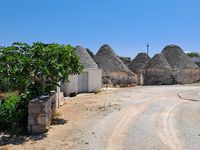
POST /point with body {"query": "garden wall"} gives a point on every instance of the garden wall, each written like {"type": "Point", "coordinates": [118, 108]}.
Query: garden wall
{"type": "Point", "coordinates": [40, 113]}
{"type": "Point", "coordinates": [121, 78]}
{"type": "Point", "coordinates": [186, 76]}
{"type": "Point", "coordinates": [158, 77]}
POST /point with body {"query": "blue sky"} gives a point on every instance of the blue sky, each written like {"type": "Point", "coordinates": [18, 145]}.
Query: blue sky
{"type": "Point", "coordinates": [126, 25]}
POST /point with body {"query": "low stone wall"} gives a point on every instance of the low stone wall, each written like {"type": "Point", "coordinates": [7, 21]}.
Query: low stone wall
{"type": "Point", "coordinates": [40, 114]}
{"type": "Point", "coordinates": [171, 76]}
{"type": "Point", "coordinates": [158, 77]}
{"type": "Point", "coordinates": [121, 78]}
{"type": "Point", "coordinates": [186, 76]}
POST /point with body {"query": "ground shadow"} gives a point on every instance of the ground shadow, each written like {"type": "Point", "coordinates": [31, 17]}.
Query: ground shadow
{"type": "Point", "coordinates": [6, 138]}
{"type": "Point", "coordinates": [59, 121]}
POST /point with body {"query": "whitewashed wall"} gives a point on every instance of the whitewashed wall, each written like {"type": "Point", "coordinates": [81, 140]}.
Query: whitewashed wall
{"type": "Point", "coordinates": [94, 82]}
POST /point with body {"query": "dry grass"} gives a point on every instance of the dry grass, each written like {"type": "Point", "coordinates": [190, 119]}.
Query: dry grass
{"type": "Point", "coordinates": [5, 95]}
{"type": "Point", "coordinates": [4, 148]}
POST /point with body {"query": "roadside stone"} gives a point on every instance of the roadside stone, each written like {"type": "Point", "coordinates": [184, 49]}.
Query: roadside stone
{"type": "Point", "coordinates": [41, 113]}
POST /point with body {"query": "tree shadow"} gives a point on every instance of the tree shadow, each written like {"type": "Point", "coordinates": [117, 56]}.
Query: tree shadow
{"type": "Point", "coordinates": [59, 121]}
{"type": "Point", "coordinates": [6, 138]}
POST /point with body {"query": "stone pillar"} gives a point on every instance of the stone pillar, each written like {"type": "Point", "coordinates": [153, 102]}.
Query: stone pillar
{"type": "Point", "coordinates": [40, 114]}
{"type": "Point", "coordinates": [60, 99]}
{"type": "Point", "coordinates": [140, 77]}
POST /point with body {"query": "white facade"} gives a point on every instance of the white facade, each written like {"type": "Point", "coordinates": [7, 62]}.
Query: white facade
{"type": "Point", "coordinates": [88, 81]}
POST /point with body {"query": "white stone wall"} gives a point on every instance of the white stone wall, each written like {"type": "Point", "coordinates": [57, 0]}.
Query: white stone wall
{"type": "Point", "coordinates": [94, 80]}
{"type": "Point", "coordinates": [71, 86]}
{"type": "Point", "coordinates": [59, 97]}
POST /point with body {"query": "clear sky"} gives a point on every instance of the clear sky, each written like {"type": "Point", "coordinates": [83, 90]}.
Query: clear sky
{"type": "Point", "coordinates": [126, 25]}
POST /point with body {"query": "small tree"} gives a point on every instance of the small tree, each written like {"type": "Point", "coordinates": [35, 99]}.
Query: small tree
{"type": "Point", "coordinates": [37, 68]}
{"type": "Point", "coordinates": [193, 54]}
{"type": "Point", "coordinates": [33, 71]}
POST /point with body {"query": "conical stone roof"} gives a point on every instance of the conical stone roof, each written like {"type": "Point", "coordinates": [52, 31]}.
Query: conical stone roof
{"type": "Point", "coordinates": [177, 58]}
{"type": "Point", "coordinates": [108, 60]}
{"type": "Point", "coordinates": [139, 62]}
{"type": "Point", "coordinates": [125, 60]}
{"type": "Point", "coordinates": [85, 58]}
{"type": "Point", "coordinates": [158, 62]}
{"type": "Point", "coordinates": [196, 60]}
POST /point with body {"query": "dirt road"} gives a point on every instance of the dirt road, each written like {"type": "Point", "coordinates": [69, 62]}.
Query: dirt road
{"type": "Point", "coordinates": [141, 118]}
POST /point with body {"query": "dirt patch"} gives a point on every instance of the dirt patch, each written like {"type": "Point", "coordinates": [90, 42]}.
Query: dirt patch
{"type": "Point", "coordinates": [109, 107]}
{"type": "Point", "coordinates": [73, 119]}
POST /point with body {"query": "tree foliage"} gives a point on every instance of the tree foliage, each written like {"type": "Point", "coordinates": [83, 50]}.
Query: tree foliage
{"type": "Point", "coordinates": [125, 58]}
{"type": "Point", "coordinates": [193, 54]}
{"type": "Point", "coordinates": [37, 68]}
{"type": "Point", "coordinates": [14, 114]}
{"type": "Point", "coordinates": [32, 70]}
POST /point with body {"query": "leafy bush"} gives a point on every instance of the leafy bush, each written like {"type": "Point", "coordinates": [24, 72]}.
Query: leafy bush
{"type": "Point", "coordinates": [33, 70]}
{"type": "Point", "coordinates": [8, 94]}
{"type": "Point", "coordinates": [97, 91]}
{"type": "Point", "coordinates": [193, 54]}
{"type": "Point", "coordinates": [13, 114]}
{"type": "Point", "coordinates": [5, 85]}
{"type": "Point", "coordinates": [37, 68]}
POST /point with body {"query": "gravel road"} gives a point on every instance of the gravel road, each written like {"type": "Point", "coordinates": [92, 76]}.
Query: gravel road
{"type": "Point", "coordinates": [140, 118]}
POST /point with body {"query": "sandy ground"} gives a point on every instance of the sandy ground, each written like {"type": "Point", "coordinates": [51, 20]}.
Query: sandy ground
{"type": "Point", "coordinates": [149, 117]}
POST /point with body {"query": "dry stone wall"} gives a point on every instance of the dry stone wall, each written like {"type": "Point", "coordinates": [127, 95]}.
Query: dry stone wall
{"type": "Point", "coordinates": [158, 77]}
{"type": "Point", "coordinates": [40, 114]}
{"type": "Point", "coordinates": [186, 76]}
{"type": "Point", "coordinates": [122, 78]}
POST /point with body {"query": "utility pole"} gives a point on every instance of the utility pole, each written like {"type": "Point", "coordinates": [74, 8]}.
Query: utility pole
{"type": "Point", "coordinates": [147, 48]}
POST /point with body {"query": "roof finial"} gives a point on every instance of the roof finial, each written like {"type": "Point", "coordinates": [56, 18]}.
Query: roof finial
{"type": "Point", "coordinates": [147, 48]}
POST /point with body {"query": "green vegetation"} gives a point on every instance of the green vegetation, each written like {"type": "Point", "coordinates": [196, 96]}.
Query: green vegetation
{"type": "Point", "coordinates": [8, 94]}
{"type": "Point", "coordinates": [32, 71]}
{"type": "Point", "coordinates": [37, 68]}
{"type": "Point", "coordinates": [97, 91]}
{"type": "Point", "coordinates": [13, 114]}
{"type": "Point", "coordinates": [125, 58]}
{"type": "Point", "coordinates": [193, 54]}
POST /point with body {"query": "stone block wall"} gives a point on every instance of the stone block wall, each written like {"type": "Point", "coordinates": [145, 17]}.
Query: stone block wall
{"type": "Point", "coordinates": [171, 76]}
{"type": "Point", "coordinates": [40, 114]}
{"type": "Point", "coordinates": [186, 76]}
{"type": "Point", "coordinates": [121, 78]}
{"type": "Point", "coordinates": [158, 77]}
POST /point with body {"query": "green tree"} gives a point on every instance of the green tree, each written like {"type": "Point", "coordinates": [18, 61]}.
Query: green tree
{"type": "Point", "coordinates": [193, 54]}
{"type": "Point", "coordinates": [32, 71]}
{"type": "Point", "coordinates": [37, 68]}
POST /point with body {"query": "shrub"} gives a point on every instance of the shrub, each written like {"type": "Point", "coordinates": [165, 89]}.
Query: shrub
{"type": "Point", "coordinates": [193, 54]}
{"type": "Point", "coordinates": [97, 91]}
{"type": "Point", "coordinates": [33, 70]}
{"type": "Point", "coordinates": [5, 85]}
{"type": "Point", "coordinates": [13, 114]}
{"type": "Point", "coordinates": [3, 96]}
{"type": "Point", "coordinates": [37, 68]}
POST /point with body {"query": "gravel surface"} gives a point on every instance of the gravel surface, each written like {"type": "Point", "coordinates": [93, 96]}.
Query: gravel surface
{"type": "Point", "coordinates": [149, 117]}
